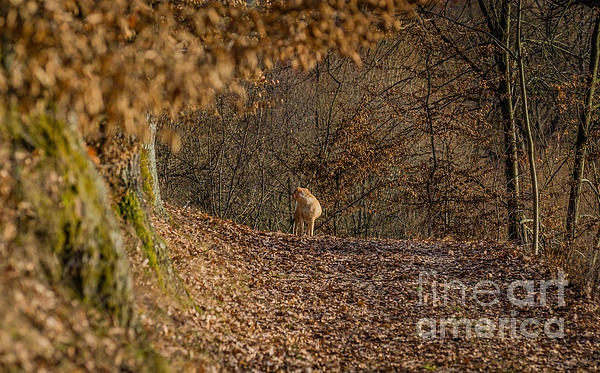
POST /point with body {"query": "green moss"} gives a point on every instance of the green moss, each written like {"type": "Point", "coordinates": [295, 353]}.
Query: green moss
{"type": "Point", "coordinates": [146, 176]}
{"type": "Point", "coordinates": [67, 226]}
{"type": "Point", "coordinates": [130, 209]}
{"type": "Point", "coordinates": [155, 249]}
{"type": "Point", "coordinates": [152, 359]}
{"type": "Point", "coordinates": [73, 219]}
{"type": "Point", "coordinates": [66, 229]}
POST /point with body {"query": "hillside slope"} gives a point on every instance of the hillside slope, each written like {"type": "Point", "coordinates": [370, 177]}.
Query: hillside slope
{"type": "Point", "coordinates": [270, 301]}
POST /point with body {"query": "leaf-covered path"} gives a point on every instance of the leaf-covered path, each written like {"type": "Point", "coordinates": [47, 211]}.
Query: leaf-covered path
{"type": "Point", "coordinates": [270, 301]}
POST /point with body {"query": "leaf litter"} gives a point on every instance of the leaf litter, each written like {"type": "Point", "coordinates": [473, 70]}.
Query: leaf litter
{"type": "Point", "coordinates": [270, 301]}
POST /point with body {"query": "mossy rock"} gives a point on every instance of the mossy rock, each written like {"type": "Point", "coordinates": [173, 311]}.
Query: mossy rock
{"type": "Point", "coordinates": [65, 225]}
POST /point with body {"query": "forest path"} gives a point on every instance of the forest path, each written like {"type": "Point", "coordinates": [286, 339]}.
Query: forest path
{"type": "Point", "coordinates": [271, 301]}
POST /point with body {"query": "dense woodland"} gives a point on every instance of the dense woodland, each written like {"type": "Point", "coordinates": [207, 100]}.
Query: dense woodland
{"type": "Point", "coordinates": [149, 150]}
{"type": "Point", "coordinates": [426, 137]}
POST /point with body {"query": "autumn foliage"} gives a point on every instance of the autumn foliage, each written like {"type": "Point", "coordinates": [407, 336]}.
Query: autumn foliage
{"type": "Point", "coordinates": [405, 120]}
{"type": "Point", "coordinates": [115, 60]}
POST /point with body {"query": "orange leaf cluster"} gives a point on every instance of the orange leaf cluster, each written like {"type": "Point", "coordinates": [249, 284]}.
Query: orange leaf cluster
{"type": "Point", "coordinates": [90, 60]}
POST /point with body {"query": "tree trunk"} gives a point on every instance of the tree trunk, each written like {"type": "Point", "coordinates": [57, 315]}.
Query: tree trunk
{"type": "Point", "coordinates": [582, 137]}
{"type": "Point", "coordinates": [70, 234]}
{"type": "Point", "coordinates": [530, 147]}
{"type": "Point", "coordinates": [148, 169]}
{"type": "Point", "coordinates": [499, 25]}
{"type": "Point", "coordinates": [138, 183]}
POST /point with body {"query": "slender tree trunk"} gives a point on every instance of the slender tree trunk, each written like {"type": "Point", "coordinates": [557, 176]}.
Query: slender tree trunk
{"type": "Point", "coordinates": [498, 21]}
{"type": "Point", "coordinates": [132, 207]}
{"type": "Point", "coordinates": [150, 163]}
{"type": "Point", "coordinates": [434, 165]}
{"type": "Point", "coordinates": [530, 147]}
{"type": "Point", "coordinates": [582, 136]}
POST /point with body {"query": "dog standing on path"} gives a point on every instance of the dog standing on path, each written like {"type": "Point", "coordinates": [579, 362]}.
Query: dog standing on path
{"type": "Point", "coordinates": [308, 209]}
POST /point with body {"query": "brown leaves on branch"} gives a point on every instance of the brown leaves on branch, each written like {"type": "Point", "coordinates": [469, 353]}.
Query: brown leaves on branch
{"type": "Point", "coordinates": [96, 59]}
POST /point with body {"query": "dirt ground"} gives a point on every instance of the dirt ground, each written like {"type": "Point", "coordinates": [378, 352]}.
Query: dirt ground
{"type": "Point", "coordinates": [269, 301]}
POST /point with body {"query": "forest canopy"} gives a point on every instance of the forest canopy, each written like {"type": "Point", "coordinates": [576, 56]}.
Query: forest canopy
{"type": "Point", "coordinates": [116, 60]}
